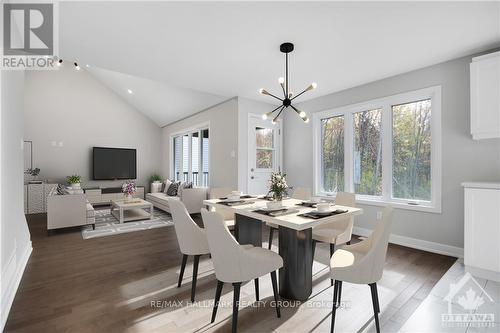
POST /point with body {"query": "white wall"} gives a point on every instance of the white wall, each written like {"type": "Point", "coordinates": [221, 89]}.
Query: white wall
{"type": "Point", "coordinates": [15, 237]}
{"type": "Point", "coordinates": [76, 109]}
{"type": "Point", "coordinates": [463, 158]}
{"type": "Point", "coordinates": [223, 136]}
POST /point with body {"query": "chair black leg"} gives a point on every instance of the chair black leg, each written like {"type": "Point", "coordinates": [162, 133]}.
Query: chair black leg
{"type": "Point", "coordinates": [183, 266]}
{"type": "Point", "coordinates": [373, 288]}
{"type": "Point", "coordinates": [376, 293]}
{"type": "Point", "coordinates": [313, 249]}
{"type": "Point", "coordinates": [236, 301]}
{"type": "Point", "coordinates": [218, 291]}
{"type": "Point", "coordinates": [339, 293]}
{"type": "Point", "coordinates": [256, 281]}
{"type": "Point", "coordinates": [334, 307]}
{"type": "Point", "coordinates": [276, 295]}
{"type": "Point", "coordinates": [332, 249]}
{"type": "Point", "coordinates": [195, 276]}
{"type": "Point", "coordinates": [93, 226]}
{"type": "Point", "coordinates": [271, 232]}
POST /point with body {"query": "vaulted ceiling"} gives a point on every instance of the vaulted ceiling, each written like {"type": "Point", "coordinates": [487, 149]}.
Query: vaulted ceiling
{"type": "Point", "coordinates": [181, 57]}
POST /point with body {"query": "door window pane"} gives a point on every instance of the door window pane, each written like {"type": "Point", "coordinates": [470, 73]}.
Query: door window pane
{"type": "Point", "coordinates": [367, 157]}
{"type": "Point", "coordinates": [185, 158]}
{"type": "Point", "coordinates": [264, 159]}
{"type": "Point", "coordinates": [195, 157]}
{"type": "Point", "coordinates": [264, 137]}
{"type": "Point", "coordinates": [411, 165]}
{"type": "Point", "coordinates": [332, 143]}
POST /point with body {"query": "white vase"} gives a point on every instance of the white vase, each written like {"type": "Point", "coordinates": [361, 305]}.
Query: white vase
{"type": "Point", "coordinates": [128, 197]}
{"type": "Point", "coordinates": [75, 186]}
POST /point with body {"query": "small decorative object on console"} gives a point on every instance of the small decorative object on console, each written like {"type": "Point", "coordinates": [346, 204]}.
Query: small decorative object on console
{"type": "Point", "coordinates": [278, 188]}
{"type": "Point", "coordinates": [74, 181]}
{"type": "Point", "coordinates": [34, 175]}
{"type": "Point", "coordinates": [128, 190]}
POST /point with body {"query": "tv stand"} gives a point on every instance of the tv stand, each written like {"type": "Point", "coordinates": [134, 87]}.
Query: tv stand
{"type": "Point", "coordinates": [103, 196]}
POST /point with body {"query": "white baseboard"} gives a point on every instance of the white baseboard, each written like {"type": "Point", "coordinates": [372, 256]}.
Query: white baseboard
{"type": "Point", "coordinates": [418, 244]}
{"type": "Point", "coordinates": [10, 279]}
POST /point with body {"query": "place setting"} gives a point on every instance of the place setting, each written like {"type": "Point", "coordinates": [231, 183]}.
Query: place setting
{"type": "Point", "coordinates": [276, 208]}
{"type": "Point", "coordinates": [323, 209]}
{"type": "Point", "coordinates": [236, 198]}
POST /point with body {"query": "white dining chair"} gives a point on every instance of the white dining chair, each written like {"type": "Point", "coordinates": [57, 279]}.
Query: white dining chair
{"type": "Point", "coordinates": [235, 263]}
{"type": "Point", "coordinates": [338, 232]}
{"type": "Point", "coordinates": [192, 240]}
{"type": "Point", "coordinates": [220, 192]}
{"type": "Point", "coordinates": [300, 193]}
{"type": "Point", "coordinates": [362, 263]}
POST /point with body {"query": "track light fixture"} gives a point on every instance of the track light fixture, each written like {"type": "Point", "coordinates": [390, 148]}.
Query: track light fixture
{"type": "Point", "coordinates": [288, 96]}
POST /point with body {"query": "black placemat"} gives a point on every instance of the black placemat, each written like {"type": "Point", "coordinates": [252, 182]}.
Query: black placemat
{"type": "Point", "coordinates": [316, 216]}
{"type": "Point", "coordinates": [275, 213]}
{"type": "Point", "coordinates": [235, 203]}
{"type": "Point", "coordinates": [307, 204]}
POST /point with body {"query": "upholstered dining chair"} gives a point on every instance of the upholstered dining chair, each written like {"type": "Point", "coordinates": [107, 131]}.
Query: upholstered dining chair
{"type": "Point", "coordinates": [362, 263]}
{"type": "Point", "coordinates": [338, 232]}
{"type": "Point", "coordinates": [235, 263]}
{"type": "Point", "coordinates": [228, 216]}
{"type": "Point", "coordinates": [192, 240]}
{"type": "Point", "coordinates": [300, 193]}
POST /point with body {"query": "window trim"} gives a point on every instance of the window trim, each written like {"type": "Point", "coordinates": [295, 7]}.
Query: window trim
{"type": "Point", "coordinates": [188, 131]}
{"type": "Point", "coordinates": [385, 103]}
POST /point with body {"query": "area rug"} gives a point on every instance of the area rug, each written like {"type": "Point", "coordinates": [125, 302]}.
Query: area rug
{"type": "Point", "coordinates": [107, 225]}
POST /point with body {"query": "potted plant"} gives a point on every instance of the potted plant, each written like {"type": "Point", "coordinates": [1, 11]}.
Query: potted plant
{"type": "Point", "coordinates": [74, 181]}
{"type": "Point", "coordinates": [128, 190]}
{"type": "Point", "coordinates": [156, 183]}
{"type": "Point", "coordinates": [278, 189]}
{"type": "Point", "coordinates": [34, 174]}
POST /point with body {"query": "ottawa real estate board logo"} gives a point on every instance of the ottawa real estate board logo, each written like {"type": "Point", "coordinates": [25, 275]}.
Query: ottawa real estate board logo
{"type": "Point", "coordinates": [29, 36]}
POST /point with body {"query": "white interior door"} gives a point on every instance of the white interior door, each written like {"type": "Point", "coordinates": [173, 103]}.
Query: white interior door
{"type": "Point", "coordinates": [264, 148]}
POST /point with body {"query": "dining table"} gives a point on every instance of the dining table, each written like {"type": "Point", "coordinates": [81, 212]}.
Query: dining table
{"type": "Point", "coordinates": [295, 235]}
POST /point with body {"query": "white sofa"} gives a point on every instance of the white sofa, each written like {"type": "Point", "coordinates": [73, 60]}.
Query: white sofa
{"type": "Point", "coordinates": [192, 198]}
{"type": "Point", "coordinates": [68, 210]}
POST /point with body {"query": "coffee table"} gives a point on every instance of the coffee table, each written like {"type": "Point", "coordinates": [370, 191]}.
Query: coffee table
{"type": "Point", "coordinates": [134, 210]}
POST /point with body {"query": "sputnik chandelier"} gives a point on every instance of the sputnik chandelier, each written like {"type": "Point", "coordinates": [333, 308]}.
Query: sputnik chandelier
{"type": "Point", "coordinates": [288, 96]}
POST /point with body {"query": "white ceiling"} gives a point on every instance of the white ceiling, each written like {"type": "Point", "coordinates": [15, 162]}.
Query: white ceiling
{"type": "Point", "coordinates": [227, 49]}
{"type": "Point", "coordinates": [163, 103]}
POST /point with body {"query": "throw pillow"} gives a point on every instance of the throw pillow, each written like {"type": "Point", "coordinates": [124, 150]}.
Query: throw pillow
{"type": "Point", "coordinates": [166, 185]}
{"type": "Point", "coordinates": [173, 188]}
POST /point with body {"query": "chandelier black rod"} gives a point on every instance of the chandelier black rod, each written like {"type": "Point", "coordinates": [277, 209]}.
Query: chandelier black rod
{"type": "Point", "coordinates": [279, 99]}
{"type": "Point", "coordinates": [294, 97]}
{"type": "Point", "coordinates": [279, 113]}
{"type": "Point", "coordinates": [286, 74]}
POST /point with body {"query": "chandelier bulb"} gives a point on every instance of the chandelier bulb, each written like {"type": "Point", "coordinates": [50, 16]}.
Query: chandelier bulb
{"type": "Point", "coordinates": [306, 120]}
{"type": "Point", "coordinates": [264, 116]}
{"type": "Point", "coordinates": [262, 91]}
{"type": "Point", "coordinates": [281, 80]}
{"type": "Point", "coordinates": [302, 114]}
{"type": "Point", "coordinates": [314, 85]}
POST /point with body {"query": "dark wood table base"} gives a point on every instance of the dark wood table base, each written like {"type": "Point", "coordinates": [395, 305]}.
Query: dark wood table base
{"type": "Point", "coordinates": [295, 247]}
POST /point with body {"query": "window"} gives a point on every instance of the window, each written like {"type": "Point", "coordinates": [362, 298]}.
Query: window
{"type": "Point", "coordinates": [332, 142]}
{"type": "Point", "coordinates": [264, 147]}
{"type": "Point", "coordinates": [411, 145]}
{"type": "Point", "coordinates": [190, 157]}
{"type": "Point", "coordinates": [367, 155]}
{"type": "Point", "coordinates": [385, 150]}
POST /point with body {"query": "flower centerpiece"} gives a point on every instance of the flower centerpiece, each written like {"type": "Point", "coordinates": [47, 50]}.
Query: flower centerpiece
{"type": "Point", "coordinates": [128, 190]}
{"type": "Point", "coordinates": [278, 188]}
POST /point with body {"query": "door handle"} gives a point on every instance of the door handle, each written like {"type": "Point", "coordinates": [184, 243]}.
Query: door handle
{"type": "Point", "coordinates": [251, 177]}
{"type": "Point", "coordinates": [251, 169]}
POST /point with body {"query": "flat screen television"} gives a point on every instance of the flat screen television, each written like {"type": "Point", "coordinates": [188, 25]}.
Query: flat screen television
{"type": "Point", "coordinates": [114, 163]}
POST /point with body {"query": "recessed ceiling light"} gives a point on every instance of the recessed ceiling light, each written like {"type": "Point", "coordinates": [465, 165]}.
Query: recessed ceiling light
{"type": "Point", "coordinates": [130, 91]}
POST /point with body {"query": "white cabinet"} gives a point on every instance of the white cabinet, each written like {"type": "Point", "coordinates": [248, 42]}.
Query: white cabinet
{"type": "Point", "coordinates": [485, 96]}
{"type": "Point", "coordinates": [482, 229]}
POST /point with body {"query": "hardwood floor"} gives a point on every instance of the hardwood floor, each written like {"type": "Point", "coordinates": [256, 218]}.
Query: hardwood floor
{"type": "Point", "coordinates": [128, 282]}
